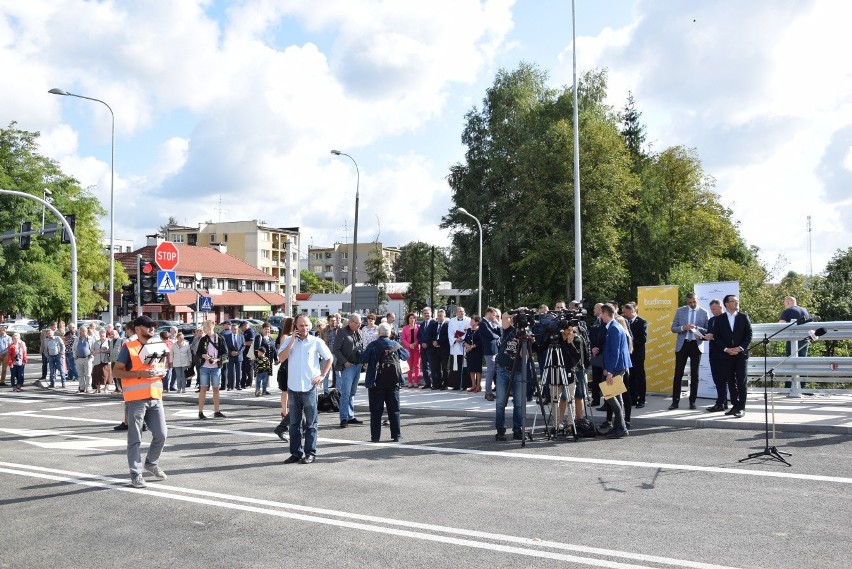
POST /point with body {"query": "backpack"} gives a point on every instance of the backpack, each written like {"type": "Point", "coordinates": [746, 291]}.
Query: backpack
{"type": "Point", "coordinates": [388, 373]}
{"type": "Point", "coordinates": [83, 349]}
{"type": "Point", "coordinates": [329, 402]}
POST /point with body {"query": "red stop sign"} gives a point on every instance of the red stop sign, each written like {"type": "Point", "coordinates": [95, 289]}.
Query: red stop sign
{"type": "Point", "coordinates": [166, 256]}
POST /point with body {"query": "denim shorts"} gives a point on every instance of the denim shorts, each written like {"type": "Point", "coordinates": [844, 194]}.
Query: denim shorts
{"type": "Point", "coordinates": [210, 377]}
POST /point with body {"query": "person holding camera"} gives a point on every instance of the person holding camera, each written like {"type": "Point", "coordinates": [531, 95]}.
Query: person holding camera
{"type": "Point", "coordinates": [348, 345]}
{"type": "Point", "coordinates": [141, 377]}
{"type": "Point", "coordinates": [211, 352]}
{"type": "Point", "coordinates": [508, 364]}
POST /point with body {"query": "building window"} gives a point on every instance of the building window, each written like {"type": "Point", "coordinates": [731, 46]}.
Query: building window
{"type": "Point", "coordinates": [177, 237]}
{"type": "Point", "coordinates": [264, 236]}
{"type": "Point", "coordinates": [192, 239]}
{"type": "Point", "coordinates": [232, 285]}
{"type": "Point", "coordinates": [344, 255]}
{"type": "Point", "coordinates": [212, 238]}
{"type": "Point", "coordinates": [224, 238]}
{"type": "Point", "coordinates": [344, 281]}
{"type": "Point", "coordinates": [264, 254]}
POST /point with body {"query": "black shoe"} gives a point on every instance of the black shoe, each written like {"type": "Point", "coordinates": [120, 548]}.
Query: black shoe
{"type": "Point", "coordinates": [500, 436]}
{"type": "Point", "coordinates": [354, 421]}
{"type": "Point", "coordinates": [425, 387]}
{"type": "Point", "coordinates": [739, 414]}
{"type": "Point", "coordinates": [639, 405]}
{"type": "Point", "coordinates": [219, 415]}
{"type": "Point", "coordinates": [121, 427]}
{"type": "Point", "coordinates": [201, 415]}
{"type": "Point", "coordinates": [715, 409]}
{"type": "Point", "coordinates": [292, 459]}
{"type": "Point", "coordinates": [606, 425]}
{"type": "Point", "coordinates": [144, 427]}
{"type": "Point", "coordinates": [344, 424]}
{"type": "Point", "coordinates": [517, 435]}
{"type": "Point", "coordinates": [239, 389]}
{"type": "Point", "coordinates": [395, 439]}
{"type": "Point", "coordinates": [385, 423]}
{"type": "Point", "coordinates": [595, 402]}
{"type": "Point", "coordinates": [601, 408]}
{"type": "Point", "coordinates": [673, 406]}
{"type": "Point", "coordinates": [692, 406]}
{"type": "Point", "coordinates": [617, 433]}
{"type": "Point", "coordinates": [731, 411]}
{"type": "Point", "coordinates": [307, 459]}
{"type": "Point", "coordinates": [627, 424]}
{"type": "Point", "coordinates": [280, 430]}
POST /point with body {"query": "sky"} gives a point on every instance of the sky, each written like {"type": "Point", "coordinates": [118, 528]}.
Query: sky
{"type": "Point", "coordinates": [229, 110]}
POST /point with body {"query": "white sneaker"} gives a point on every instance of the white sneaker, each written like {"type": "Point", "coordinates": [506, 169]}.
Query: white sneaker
{"type": "Point", "coordinates": [137, 481]}
{"type": "Point", "coordinates": [156, 471]}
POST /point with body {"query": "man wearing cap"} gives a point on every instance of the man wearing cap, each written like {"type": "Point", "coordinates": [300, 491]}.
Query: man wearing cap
{"type": "Point", "coordinates": [141, 366]}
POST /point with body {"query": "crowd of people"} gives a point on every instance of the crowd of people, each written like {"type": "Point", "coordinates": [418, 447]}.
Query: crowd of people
{"type": "Point", "coordinates": [600, 364]}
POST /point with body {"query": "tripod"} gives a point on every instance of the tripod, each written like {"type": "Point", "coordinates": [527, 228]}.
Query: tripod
{"type": "Point", "coordinates": [555, 376]}
{"type": "Point", "coordinates": [769, 451]}
{"type": "Point", "coordinates": [523, 359]}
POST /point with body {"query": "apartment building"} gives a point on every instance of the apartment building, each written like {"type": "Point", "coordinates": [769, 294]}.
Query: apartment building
{"type": "Point", "coordinates": [273, 250]}
{"type": "Point", "coordinates": [332, 263]}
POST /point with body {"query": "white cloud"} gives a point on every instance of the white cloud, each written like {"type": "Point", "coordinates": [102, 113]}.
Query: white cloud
{"type": "Point", "coordinates": [759, 89]}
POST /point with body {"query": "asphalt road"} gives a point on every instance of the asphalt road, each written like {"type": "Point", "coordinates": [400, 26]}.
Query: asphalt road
{"type": "Point", "coordinates": [448, 496]}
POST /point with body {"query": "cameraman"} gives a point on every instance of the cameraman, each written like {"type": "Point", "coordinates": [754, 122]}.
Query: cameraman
{"type": "Point", "coordinates": [571, 356]}
{"type": "Point", "coordinates": [508, 364]}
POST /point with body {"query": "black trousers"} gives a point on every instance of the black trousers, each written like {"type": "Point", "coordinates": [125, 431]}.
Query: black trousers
{"type": "Point", "coordinates": [379, 398]}
{"type": "Point", "coordinates": [638, 385]}
{"type": "Point", "coordinates": [440, 367]}
{"type": "Point", "coordinates": [733, 371]}
{"type": "Point", "coordinates": [597, 377]}
{"type": "Point", "coordinates": [426, 366]}
{"type": "Point", "coordinates": [719, 381]}
{"type": "Point", "coordinates": [689, 351]}
{"type": "Point", "coordinates": [625, 399]}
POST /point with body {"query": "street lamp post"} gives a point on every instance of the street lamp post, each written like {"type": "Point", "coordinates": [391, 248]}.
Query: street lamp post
{"type": "Point", "coordinates": [111, 200]}
{"type": "Point", "coordinates": [464, 211]}
{"type": "Point", "coordinates": [353, 268]}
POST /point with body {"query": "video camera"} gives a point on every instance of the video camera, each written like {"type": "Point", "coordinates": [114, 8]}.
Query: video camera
{"type": "Point", "coordinates": [555, 321]}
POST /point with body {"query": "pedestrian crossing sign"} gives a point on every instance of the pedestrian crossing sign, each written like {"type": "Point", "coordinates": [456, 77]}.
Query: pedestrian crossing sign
{"type": "Point", "coordinates": [166, 282]}
{"type": "Point", "coordinates": [206, 304]}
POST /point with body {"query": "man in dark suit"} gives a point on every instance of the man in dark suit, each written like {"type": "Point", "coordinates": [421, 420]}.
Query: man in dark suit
{"type": "Point", "coordinates": [639, 330]}
{"type": "Point", "coordinates": [441, 353]}
{"type": "Point", "coordinates": [719, 381]}
{"type": "Point", "coordinates": [690, 324]}
{"type": "Point", "coordinates": [597, 339]}
{"type": "Point", "coordinates": [426, 336]}
{"type": "Point", "coordinates": [732, 335]}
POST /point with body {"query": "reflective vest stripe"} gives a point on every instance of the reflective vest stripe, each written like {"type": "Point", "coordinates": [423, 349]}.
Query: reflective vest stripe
{"type": "Point", "coordinates": [136, 388]}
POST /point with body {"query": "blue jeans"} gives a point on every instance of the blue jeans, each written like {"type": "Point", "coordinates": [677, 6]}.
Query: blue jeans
{"type": "Point", "coordinates": [504, 376]}
{"type": "Point", "coordinates": [331, 373]}
{"type": "Point", "coordinates": [72, 366]}
{"type": "Point", "coordinates": [178, 379]}
{"type": "Point", "coordinates": [209, 377]}
{"type": "Point", "coordinates": [262, 380]}
{"type": "Point", "coordinates": [303, 402]}
{"type": "Point", "coordinates": [55, 364]}
{"type": "Point", "coordinates": [18, 375]}
{"type": "Point", "coordinates": [348, 385]}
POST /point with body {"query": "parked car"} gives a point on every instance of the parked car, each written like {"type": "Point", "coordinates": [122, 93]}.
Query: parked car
{"type": "Point", "coordinates": [20, 328]}
{"type": "Point", "coordinates": [99, 324]}
{"type": "Point", "coordinates": [166, 323]}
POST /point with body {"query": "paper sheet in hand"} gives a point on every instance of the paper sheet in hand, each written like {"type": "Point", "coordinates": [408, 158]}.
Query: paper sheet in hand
{"type": "Point", "coordinates": [617, 387]}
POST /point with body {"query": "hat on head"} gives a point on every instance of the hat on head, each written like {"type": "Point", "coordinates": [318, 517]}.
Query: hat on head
{"type": "Point", "coordinates": [143, 321]}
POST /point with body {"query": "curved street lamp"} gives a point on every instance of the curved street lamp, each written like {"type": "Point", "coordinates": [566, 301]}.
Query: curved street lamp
{"type": "Point", "coordinates": [111, 201]}
{"type": "Point", "coordinates": [353, 267]}
{"type": "Point", "coordinates": [464, 211]}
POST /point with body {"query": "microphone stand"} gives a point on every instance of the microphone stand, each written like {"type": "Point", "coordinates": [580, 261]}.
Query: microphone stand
{"type": "Point", "coordinates": [769, 451]}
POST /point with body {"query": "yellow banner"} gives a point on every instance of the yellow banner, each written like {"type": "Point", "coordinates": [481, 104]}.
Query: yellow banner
{"type": "Point", "coordinates": [657, 305]}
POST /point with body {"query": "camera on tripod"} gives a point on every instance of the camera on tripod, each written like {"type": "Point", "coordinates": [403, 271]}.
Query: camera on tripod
{"type": "Point", "coordinates": [522, 320]}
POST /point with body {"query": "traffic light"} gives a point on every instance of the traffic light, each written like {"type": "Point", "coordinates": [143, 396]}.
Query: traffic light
{"type": "Point", "coordinates": [24, 242]}
{"type": "Point", "coordinates": [147, 281]}
{"type": "Point", "coordinates": [65, 239]}
{"type": "Point", "coordinates": [128, 292]}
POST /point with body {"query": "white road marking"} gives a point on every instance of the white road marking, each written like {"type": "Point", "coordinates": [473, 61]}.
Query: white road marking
{"type": "Point", "coordinates": [475, 452]}
{"type": "Point", "coordinates": [81, 442]}
{"type": "Point", "coordinates": [62, 408]}
{"type": "Point", "coordinates": [520, 545]}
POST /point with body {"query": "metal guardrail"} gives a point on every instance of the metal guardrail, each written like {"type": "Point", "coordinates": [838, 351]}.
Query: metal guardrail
{"type": "Point", "coordinates": [796, 369]}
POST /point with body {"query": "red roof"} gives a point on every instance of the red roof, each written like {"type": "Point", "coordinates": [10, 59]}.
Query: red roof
{"type": "Point", "coordinates": [205, 260]}
{"type": "Point", "coordinates": [228, 298]}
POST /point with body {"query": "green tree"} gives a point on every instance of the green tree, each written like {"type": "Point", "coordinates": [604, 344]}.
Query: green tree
{"type": "Point", "coordinates": [833, 292]}
{"type": "Point", "coordinates": [312, 284]}
{"type": "Point", "coordinates": [414, 266]}
{"type": "Point", "coordinates": [164, 229]}
{"type": "Point", "coordinates": [36, 282]}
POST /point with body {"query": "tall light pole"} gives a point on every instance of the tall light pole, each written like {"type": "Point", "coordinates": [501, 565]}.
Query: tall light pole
{"type": "Point", "coordinates": [578, 239]}
{"type": "Point", "coordinates": [111, 200]}
{"type": "Point", "coordinates": [353, 268]}
{"type": "Point", "coordinates": [464, 211]}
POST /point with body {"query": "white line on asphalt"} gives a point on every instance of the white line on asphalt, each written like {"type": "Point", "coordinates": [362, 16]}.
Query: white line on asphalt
{"type": "Point", "coordinates": [502, 454]}
{"type": "Point", "coordinates": [62, 408]}
{"type": "Point", "coordinates": [252, 505]}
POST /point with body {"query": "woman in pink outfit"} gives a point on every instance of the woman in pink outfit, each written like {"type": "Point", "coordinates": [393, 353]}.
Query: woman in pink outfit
{"type": "Point", "coordinates": [409, 342]}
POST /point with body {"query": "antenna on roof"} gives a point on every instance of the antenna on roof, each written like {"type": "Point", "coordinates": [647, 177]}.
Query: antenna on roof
{"type": "Point", "coordinates": [220, 210]}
